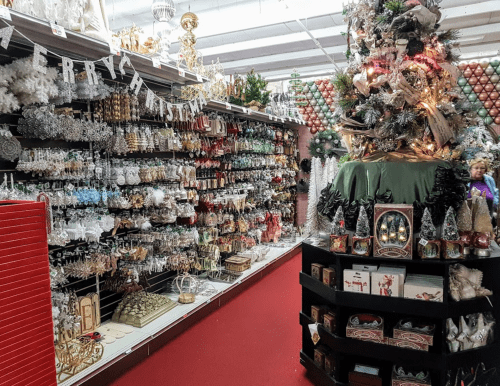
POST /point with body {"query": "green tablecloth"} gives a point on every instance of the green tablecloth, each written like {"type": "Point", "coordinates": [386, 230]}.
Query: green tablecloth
{"type": "Point", "coordinates": [408, 181]}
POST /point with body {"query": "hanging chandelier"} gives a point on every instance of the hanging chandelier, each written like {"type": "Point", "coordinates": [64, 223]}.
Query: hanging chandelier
{"type": "Point", "coordinates": [163, 10]}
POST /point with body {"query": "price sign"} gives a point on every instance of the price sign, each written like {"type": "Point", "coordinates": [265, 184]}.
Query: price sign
{"type": "Point", "coordinates": [181, 72]}
{"type": "Point", "coordinates": [282, 120]}
{"type": "Point", "coordinates": [5, 13]}
{"type": "Point", "coordinates": [244, 110]}
{"type": "Point", "coordinates": [199, 78]}
{"type": "Point", "coordinates": [58, 30]}
{"type": "Point", "coordinates": [114, 49]}
{"type": "Point", "coordinates": [270, 117]}
{"type": "Point", "coordinates": [249, 111]}
{"type": "Point", "coordinates": [228, 106]}
{"type": "Point", "coordinates": [156, 62]}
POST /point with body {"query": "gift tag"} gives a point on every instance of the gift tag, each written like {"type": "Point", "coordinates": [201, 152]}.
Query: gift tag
{"type": "Point", "coordinates": [423, 242]}
{"type": "Point", "coordinates": [228, 106]}
{"type": "Point", "coordinates": [282, 120]}
{"type": "Point", "coordinates": [58, 30]}
{"type": "Point", "coordinates": [249, 111]}
{"type": "Point", "coordinates": [5, 13]}
{"type": "Point", "coordinates": [181, 72]}
{"type": "Point", "coordinates": [156, 62]}
{"type": "Point", "coordinates": [270, 117]}
{"type": "Point", "coordinates": [313, 328]}
{"type": "Point", "coordinates": [244, 110]}
{"type": "Point", "coordinates": [199, 78]}
{"type": "Point", "coordinates": [114, 49]}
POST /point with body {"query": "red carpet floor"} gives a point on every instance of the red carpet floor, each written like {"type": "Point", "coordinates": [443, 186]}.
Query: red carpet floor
{"type": "Point", "coordinates": [255, 340]}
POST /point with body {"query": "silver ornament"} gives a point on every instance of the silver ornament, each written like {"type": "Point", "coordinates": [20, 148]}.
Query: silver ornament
{"type": "Point", "coordinates": [313, 102]}
{"type": "Point", "coordinates": [305, 89]}
{"type": "Point", "coordinates": [324, 122]}
{"type": "Point", "coordinates": [317, 109]}
{"type": "Point", "coordinates": [309, 96]}
{"type": "Point", "coordinates": [330, 137]}
{"type": "Point", "coordinates": [321, 115]}
{"type": "Point", "coordinates": [317, 140]}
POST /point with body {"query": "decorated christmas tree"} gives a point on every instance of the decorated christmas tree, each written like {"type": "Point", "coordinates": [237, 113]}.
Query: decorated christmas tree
{"type": "Point", "coordinates": [255, 92]}
{"type": "Point", "coordinates": [338, 224]}
{"type": "Point", "coordinates": [362, 225]}
{"type": "Point", "coordinates": [450, 229]}
{"type": "Point", "coordinates": [428, 230]}
{"type": "Point", "coordinates": [464, 221]}
{"type": "Point", "coordinates": [398, 91]}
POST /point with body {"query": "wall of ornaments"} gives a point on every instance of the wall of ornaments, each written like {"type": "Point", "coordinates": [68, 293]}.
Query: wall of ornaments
{"type": "Point", "coordinates": [480, 81]}
{"type": "Point", "coordinates": [316, 105]}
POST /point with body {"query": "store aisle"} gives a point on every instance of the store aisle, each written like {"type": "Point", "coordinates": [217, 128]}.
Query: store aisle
{"type": "Point", "coordinates": [255, 340]}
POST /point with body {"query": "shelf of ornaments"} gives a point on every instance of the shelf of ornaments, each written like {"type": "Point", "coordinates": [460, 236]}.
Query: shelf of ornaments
{"type": "Point", "coordinates": [246, 113]}
{"type": "Point", "coordinates": [78, 46]}
{"type": "Point", "coordinates": [140, 336]}
{"type": "Point", "coordinates": [433, 359]}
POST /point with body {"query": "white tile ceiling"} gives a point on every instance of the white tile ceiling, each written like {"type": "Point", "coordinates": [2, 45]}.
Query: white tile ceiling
{"type": "Point", "coordinates": [262, 34]}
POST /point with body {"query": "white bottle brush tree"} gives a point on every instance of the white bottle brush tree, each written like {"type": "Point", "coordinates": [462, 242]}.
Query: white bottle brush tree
{"type": "Point", "coordinates": [428, 230]}
{"type": "Point", "coordinates": [338, 224]}
{"type": "Point", "coordinates": [450, 229]}
{"type": "Point", "coordinates": [362, 224]}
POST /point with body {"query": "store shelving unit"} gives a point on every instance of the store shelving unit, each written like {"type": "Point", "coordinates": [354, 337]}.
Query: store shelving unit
{"type": "Point", "coordinates": [438, 360]}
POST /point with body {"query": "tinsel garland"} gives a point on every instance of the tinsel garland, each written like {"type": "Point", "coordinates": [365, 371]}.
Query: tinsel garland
{"type": "Point", "coordinates": [325, 144]}
{"type": "Point", "coordinates": [450, 189]}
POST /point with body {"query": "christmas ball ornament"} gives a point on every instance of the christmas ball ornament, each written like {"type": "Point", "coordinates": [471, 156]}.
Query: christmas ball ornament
{"type": "Point", "coordinates": [497, 70]}
{"type": "Point", "coordinates": [484, 79]}
{"type": "Point", "coordinates": [301, 110]}
{"type": "Point", "coordinates": [313, 88]}
{"type": "Point", "coordinates": [489, 87]}
{"type": "Point", "coordinates": [324, 122]}
{"type": "Point", "coordinates": [462, 81]}
{"type": "Point", "coordinates": [317, 95]}
{"type": "Point", "coordinates": [462, 66]}
{"type": "Point", "coordinates": [313, 116]}
{"type": "Point", "coordinates": [321, 129]}
{"type": "Point", "coordinates": [482, 113]}
{"type": "Point", "coordinates": [328, 114]}
{"type": "Point", "coordinates": [325, 108]}
{"type": "Point", "coordinates": [495, 62]}
{"type": "Point", "coordinates": [478, 88]}
{"type": "Point", "coordinates": [332, 121]}
{"type": "Point", "coordinates": [332, 109]}
{"type": "Point", "coordinates": [497, 121]}
{"type": "Point", "coordinates": [484, 63]}
{"type": "Point", "coordinates": [310, 124]}
{"type": "Point", "coordinates": [309, 109]}
{"type": "Point", "coordinates": [305, 89]}
{"type": "Point", "coordinates": [467, 90]}
{"type": "Point", "coordinates": [325, 94]}
{"type": "Point", "coordinates": [313, 130]}
{"type": "Point", "coordinates": [494, 78]}
{"type": "Point", "coordinates": [321, 102]}
{"type": "Point", "coordinates": [321, 87]}
{"type": "Point", "coordinates": [473, 80]}
{"type": "Point", "coordinates": [321, 116]}
{"type": "Point", "coordinates": [497, 86]}
{"type": "Point", "coordinates": [313, 102]}
{"type": "Point", "coordinates": [163, 10]}
{"type": "Point", "coordinates": [305, 117]}
{"type": "Point", "coordinates": [494, 95]}
{"type": "Point", "coordinates": [494, 112]}
{"type": "Point", "coordinates": [488, 120]}
{"type": "Point", "coordinates": [489, 71]}
{"type": "Point", "coordinates": [317, 109]}
{"type": "Point", "coordinates": [317, 82]}
{"type": "Point", "coordinates": [478, 71]}
{"type": "Point", "coordinates": [468, 73]}
{"type": "Point", "coordinates": [488, 104]}
{"type": "Point", "coordinates": [483, 96]}
{"type": "Point", "coordinates": [310, 83]}
{"type": "Point", "coordinates": [329, 101]}
{"type": "Point", "coordinates": [497, 103]}
{"type": "Point", "coordinates": [472, 97]}
{"type": "Point", "coordinates": [473, 65]}
{"type": "Point", "coordinates": [309, 96]}
{"type": "Point", "coordinates": [329, 137]}
{"type": "Point", "coordinates": [317, 140]}
{"type": "Point", "coordinates": [317, 122]}
{"type": "Point", "coordinates": [329, 86]}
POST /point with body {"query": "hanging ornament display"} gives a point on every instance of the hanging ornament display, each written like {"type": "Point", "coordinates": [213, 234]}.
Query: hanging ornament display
{"type": "Point", "coordinates": [317, 96]}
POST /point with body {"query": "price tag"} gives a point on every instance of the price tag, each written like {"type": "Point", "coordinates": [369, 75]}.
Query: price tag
{"type": "Point", "coordinates": [270, 117]}
{"type": "Point", "coordinates": [58, 30]}
{"type": "Point", "coordinates": [289, 119]}
{"type": "Point", "coordinates": [239, 281]}
{"type": "Point", "coordinates": [114, 49]}
{"type": "Point", "coordinates": [5, 13]}
{"type": "Point", "coordinates": [282, 120]}
{"type": "Point", "coordinates": [181, 72]}
{"type": "Point", "coordinates": [199, 78]}
{"type": "Point", "coordinates": [228, 106]}
{"type": "Point", "coordinates": [70, 187]}
{"type": "Point", "coordinates": [156, 62]}
{"type": "Point", "coordinates": [423, 242]}
{"type": "Point", "coordinates": [244, 110]}
{"type": "Point", "coordinates": [249, 111]}
{"type": "Point", "coordinates": [296, 120]}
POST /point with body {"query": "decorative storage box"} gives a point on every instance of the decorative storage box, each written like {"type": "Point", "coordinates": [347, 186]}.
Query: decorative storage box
{"type": "Point", "coordinates": [329, 277]}
{"type": "Point", "coordinates": [339, 243]}
{"type": "Point", "coordinates": [331, 365]}
{"type": "Point", "coordinates": [453, 249]}
{"type": "Point", "coordinates": [361, 246]}
{"type": "Point", "coordinates": [317, 271]}
{"type": "Point", "coordinates": [365, 327]}
{"type": "Point", "coordinates": [402, 378]}
{"type": "Point", "coordinates": [431, 249]}
{"type": "Point", "coordinates": [414, 331]}
{"type": "Point", "coordinates": [385, 284]}
{"type": "Point", "coordinates": [330, 322]}
{"type": "Point", "coordinates": [393, 230]}
{"type": "Point", "coordinates": [317, 313]}
{"type": "Point", "coordinates": [319, 356]}
{"type": "Point", "coordinates": [424, 287]}
{"type": "Point", "coordinates": [237, 263]}
{"type": "Point", "coordinates": [365, 376]}
{"type": "Point", "coordinates": [356, 281]}
{"type": "Point", "coordinates": [407, 344]}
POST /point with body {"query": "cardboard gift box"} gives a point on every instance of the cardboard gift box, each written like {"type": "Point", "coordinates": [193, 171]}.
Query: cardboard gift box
{"type": "Point", "coordinates": [329, 277]}
{"type": "Point", "coordinates": [366, 327]}
{"type": "Point", "coordinates": [317, 313]}
{"type": "Point", "coordinates": [331, 365]}
{"type": "Point", "coordinates": [361, 246]}
{"type": "Point", "coordinates": [452, 249]}
{"type": "Point", "coordinates": [356, 281]}
{"type": "Point", "coordinates": [393, 231]}
{"type": "Point", "coordinates": [408, 344]}
{"type": "Point", "coordinates": [422, 333]}
{"type": "Point", "coordinates": [402, 378]}
{"type": "Point", "coordinates": [317, 271]}
{"type": "Point", "coordinates": [424, 287]}
{"type": "Point", "coordinates": [365, 376]}
{"type": "Point", "coordinates": [330, 322]}
{"type": "Point", "coordinates": [429, 249]}
{"type": "Point", "coordinates": [385, 284]}
{"type": "Point", "coordinates": [319, 356]}
{"type": "Point", "coordinates": [237, 263]}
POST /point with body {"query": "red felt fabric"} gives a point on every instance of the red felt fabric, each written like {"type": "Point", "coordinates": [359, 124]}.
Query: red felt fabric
{"type": "Point", "coordinates": [254, 340]}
